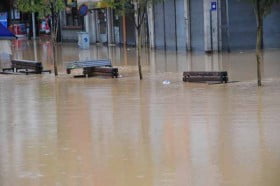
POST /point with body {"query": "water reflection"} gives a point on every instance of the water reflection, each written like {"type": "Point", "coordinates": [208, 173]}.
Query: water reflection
{"type": "Point", "coordinates": [122, 132]}
{"type": "Point", "coordinates": [240, 65]}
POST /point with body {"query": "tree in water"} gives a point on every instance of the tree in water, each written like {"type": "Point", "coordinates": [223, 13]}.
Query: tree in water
{"type": "Point", "coordinates": [262, 8]}
{"type": "Point", "coordinates": [45, 8]}
{"type": "Point", "coordinates": [139, 8]}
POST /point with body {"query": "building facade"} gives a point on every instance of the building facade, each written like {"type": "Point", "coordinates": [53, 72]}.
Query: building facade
{"type": "Point", "coordinates": [198, 25]}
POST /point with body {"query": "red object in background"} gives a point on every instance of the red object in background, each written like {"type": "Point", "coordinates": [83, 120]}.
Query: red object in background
{"type": "Point", "coordinates": [18, 29]}
{"type": "Point", "coordinates": [44, 26]}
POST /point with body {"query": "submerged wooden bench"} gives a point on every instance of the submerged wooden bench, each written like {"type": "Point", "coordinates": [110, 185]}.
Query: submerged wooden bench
{"type": "Point", "coordinates": [94, 71]}
{"type": "Point", "coordinates": [28, 67]}
{"type": "Point", "coordinates": [200, 76]}
{"type": "Point", "coordinates": [93, 68]}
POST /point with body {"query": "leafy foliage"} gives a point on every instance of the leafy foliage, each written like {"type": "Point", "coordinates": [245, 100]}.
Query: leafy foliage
{"type": "Point", "coordinates": [43, 7]}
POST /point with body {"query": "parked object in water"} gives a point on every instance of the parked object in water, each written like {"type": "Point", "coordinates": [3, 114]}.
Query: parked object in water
{"type": "Point", "coordinates": [107, 71]}
{"type": "Point", "coordinates": [26, 66]}
{"type": "Point", "coordinates": [83, 40]}
{"type": "Point", "coordinates": [94, 67]}
{"type": "Point", "coordinates": [221, 77]}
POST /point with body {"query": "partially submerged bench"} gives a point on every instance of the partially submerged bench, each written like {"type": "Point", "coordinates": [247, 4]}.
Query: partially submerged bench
{"type": "Point", "coordinates": [94, 67]}
{"type": "Point", "coordinates": [26, 66]}
{"type": "Point", "coordinates": [221, 77]}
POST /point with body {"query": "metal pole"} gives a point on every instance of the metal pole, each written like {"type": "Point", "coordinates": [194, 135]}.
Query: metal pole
{"type": "Point", "coordinates": [211, 31]}
{"type": "Point", "coordinates": [188, 24]}
{"type": "Point", "coordinates": [35, 50]}
{"type": "Point", "coordinates": [228, 33]}
{"type": "Point", "coordinates": [175, 20]}
{"type": "Point", "coordinates": [33, 25]}
{"type": "Point", "coordinates": [164, 32]}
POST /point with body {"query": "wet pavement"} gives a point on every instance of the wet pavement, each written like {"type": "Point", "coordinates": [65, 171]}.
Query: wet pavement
{"type": "Point", "coordinates": [123, 132]}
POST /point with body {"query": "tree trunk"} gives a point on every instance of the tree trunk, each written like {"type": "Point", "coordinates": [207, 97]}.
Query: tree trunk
{"type": "Point", "coordinates": [124, 29]}
{"type": "Point", "coordinates": [54, 55]}
{"type": "Point", "coordinates": [259, 46]}
{"type": "Point", "coordinates": [139, 46]}
{"type": "Point", "coordinates": [54, 27]}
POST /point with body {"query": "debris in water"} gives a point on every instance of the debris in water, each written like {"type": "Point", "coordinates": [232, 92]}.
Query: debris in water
{"type": "Point", "coordinates": [166, 82]}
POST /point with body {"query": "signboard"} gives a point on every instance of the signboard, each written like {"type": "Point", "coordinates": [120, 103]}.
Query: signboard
{"type": "Point", "coordinates": [93, 4]}
{"type": "Point", "coordinates": [83, 10]}
{"type": "Point", "coordinates": [213, 6]}
{"type": "Point", "coordinates": [87, 1]}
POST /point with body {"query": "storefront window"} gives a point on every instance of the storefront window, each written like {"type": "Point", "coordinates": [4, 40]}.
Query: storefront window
{"type": "Point", "coordinates": [72, 19]}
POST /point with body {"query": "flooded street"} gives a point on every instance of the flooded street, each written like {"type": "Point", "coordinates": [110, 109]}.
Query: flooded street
{"type": "Point", "coordinates": [100, 131]}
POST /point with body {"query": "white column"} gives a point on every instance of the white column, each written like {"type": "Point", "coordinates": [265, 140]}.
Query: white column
{"type": "Point", "coordinates": [86, 21]}
{"type": "Point", "coordinates": [110, 32]}
{"type": "Point", "coordinates": [97, 25]}
{"type": "Point", "coordinates": [219, 25]}
{"type": "Point", "coordinates": [188, 23]}
{"type": "Point", "coordinates": [92, 27]}
{"type": "Point", "coordinates": [151, 23]}
{"type": "Point", "coordinates": [211, 26]}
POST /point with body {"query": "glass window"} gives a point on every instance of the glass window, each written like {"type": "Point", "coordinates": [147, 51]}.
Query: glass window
{"type": "Point", "coordinates": [72, 15]}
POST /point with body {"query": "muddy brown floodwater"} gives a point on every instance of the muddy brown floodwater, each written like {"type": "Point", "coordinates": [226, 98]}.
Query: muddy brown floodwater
{"type": "Point", "coordinates": [125, 132]}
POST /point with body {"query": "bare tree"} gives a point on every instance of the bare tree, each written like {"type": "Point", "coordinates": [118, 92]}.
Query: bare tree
{"type": "Point", "coordinates": [139, 8]}
{"type": "Point", "coordinates": [262, 8]}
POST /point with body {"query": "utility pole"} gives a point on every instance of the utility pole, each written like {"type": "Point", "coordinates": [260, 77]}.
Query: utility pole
{"type": "Point", "coordinates": [33, 24]}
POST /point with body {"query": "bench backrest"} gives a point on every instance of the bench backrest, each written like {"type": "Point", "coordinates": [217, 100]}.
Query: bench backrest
{"type": "Point", "coordinates": [201, 73]}
{"type": "Point", "coordinates": [28, 64]}
{"type": "Point", "coordinates": [91, 63]}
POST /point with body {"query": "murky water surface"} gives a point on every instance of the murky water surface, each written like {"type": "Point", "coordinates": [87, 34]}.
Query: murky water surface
{"type": "Point", "coordinates": [124, 132]}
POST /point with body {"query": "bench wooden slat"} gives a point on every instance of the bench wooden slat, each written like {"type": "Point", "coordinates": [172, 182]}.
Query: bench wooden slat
{"type": "Point", "coordinates": [19, 64]}
{"type": "Point", "coordinates": [25, 61]}
{"type": "Point", "coordinates": [91, 63]}
{"type": "Point", "coordinates": [94, 67]}
{"type": "Point", "coordinates": [200, 76]}
{"type": "Point", "coordinates": [201, 73]}
{"type": "Point", "coordinates": [92, 71]}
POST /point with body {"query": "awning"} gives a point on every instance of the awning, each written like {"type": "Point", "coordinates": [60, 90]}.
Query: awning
{"type": "Point", "coordinates": [93, 4]}
{"type": "Point", "coordinates": [5, 33]}
{"type": "Point", "coordinates": [87, 1]}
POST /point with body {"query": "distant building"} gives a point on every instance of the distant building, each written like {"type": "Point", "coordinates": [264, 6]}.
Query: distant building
{"type": "Point", "coordinates": [101, 23]}
{"type": "Point", "coordinates": [198, 25]}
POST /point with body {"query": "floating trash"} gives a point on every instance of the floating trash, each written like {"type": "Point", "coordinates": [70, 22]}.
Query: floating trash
{"type": "Point", "coordinates": [166, 82]}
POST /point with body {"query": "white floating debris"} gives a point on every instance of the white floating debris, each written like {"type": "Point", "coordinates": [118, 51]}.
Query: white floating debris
{"type": "Point", "coordinates": [166, 82]}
